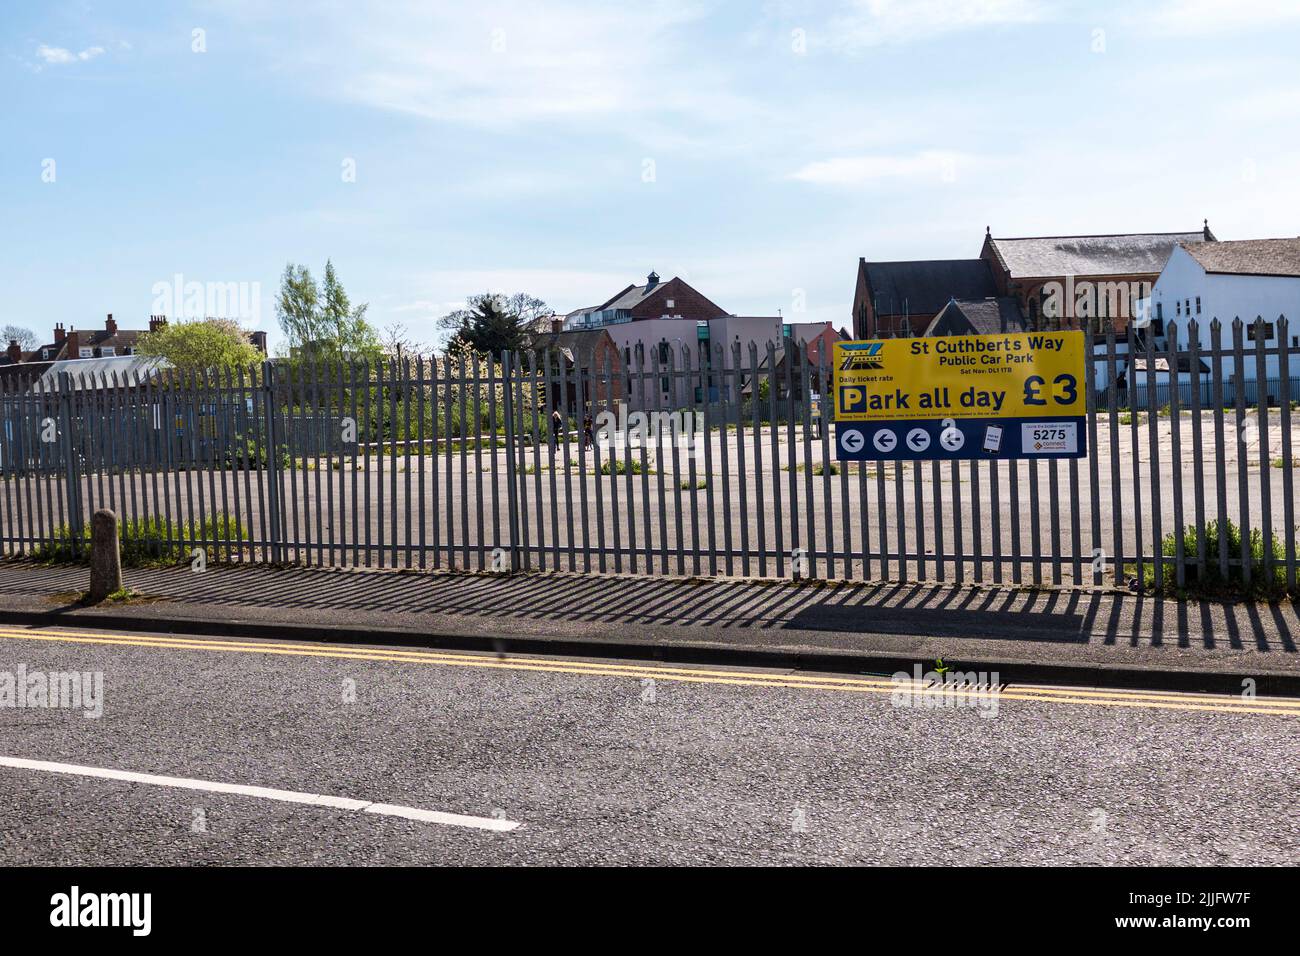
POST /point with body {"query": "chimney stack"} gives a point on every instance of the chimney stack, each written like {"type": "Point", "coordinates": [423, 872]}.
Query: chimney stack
{"type": "Point", "coordinates": [156, 322]}
{"type": "Point", "coordinates": [15, 351]}
{"type": "Point", "coordinates": [74, 347]}
{"type": "Point", "coordinates": [109, 325]}
{"type": "Point", "coordinates": [557, 325]}
{"type": "Point", "coordinates": [59, 334]}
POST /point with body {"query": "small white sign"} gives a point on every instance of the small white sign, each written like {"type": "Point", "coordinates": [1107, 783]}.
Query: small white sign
{"type": "Point", "coordinates": [993, 438]}
{"type": "Point", "coordinates": [1049, 438]}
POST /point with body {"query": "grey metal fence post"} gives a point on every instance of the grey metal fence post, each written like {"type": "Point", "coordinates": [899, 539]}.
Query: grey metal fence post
{"type": "Point", "coordinates": [71, 471]}
{"type": "Point", "coordinates": [512, 474]}
{"type": "Point", "coordinates": [272, 462]}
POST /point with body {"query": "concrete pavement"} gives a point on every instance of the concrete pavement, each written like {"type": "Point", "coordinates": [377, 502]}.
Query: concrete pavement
{"type": "Point", "coordinates": [1065, 636]}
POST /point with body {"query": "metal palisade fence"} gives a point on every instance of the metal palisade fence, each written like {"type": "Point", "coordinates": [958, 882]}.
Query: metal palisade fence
{"type": "Point", "coordinates": [708, 460]}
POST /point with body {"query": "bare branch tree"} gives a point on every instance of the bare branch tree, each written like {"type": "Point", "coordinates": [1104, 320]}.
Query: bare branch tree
{"type": "Point", "coordinates": [25, 337]}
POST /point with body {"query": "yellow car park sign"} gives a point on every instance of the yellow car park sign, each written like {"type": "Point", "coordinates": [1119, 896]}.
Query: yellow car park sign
{"type": "Point", "coordinates": [1014, 395]}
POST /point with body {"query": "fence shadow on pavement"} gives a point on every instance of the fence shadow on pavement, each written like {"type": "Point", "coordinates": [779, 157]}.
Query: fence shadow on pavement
{"type": "Point", "coordinates": [404, 599]}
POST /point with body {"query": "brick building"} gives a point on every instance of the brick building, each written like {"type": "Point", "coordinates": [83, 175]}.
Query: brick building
{"type": "Point", "coordinates": [657, 321]}
{"type": "Point", "coordinates": [891, 296]}
{"type": "Point", "coordinates": [587, 353]}
{"type": "Point", "coordinates": [107, 342]}
{"type": "Point", "coordinates": [1055, 281]}
{"type": "Point", "coordinates": [1072, 281]}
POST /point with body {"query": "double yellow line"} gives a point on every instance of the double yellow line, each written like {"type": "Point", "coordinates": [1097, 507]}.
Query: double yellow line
{"type": "Point", "coordinates": [1288, 707]}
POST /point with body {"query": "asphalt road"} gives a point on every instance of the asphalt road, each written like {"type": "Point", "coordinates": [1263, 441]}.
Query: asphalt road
{"type": "Point", "coordinates": [607, 763]}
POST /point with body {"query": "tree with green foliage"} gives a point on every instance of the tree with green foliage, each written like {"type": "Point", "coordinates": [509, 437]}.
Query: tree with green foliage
{"type": "Point", "coordinates": [320, 320]}
{"type": "Point", "coordinates": [491, 324]}
{"type": "Point", "coordinates": [200, 345]}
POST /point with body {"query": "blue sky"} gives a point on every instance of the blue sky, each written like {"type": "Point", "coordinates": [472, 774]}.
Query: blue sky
{"type": "Point", "coordinates": [566, 148]}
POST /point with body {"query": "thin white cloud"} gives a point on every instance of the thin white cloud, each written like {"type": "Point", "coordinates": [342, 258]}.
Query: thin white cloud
{"type": "Point", "coordinates": [1214, 16]}
{"type": "Point", "coordinates": [494, 64]}
{"type": "Point", "coordinates": [872, 169]}
{"type": "Point", "coordinates": [59, 56]}
{"type": "Point", "coordinates": [868, 23]}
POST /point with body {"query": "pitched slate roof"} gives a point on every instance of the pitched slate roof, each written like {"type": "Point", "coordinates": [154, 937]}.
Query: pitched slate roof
{"type": "Point", "coordinates": [925, 286]}
{"type": "Point", "coordinates": [119, 341]}
{"type": "Point", "coordinates": [988, 316]}
{"type": "Point", "coordinates": [102, 339]}
{"type": "Point", "coordinates": [632, 296]}
{"type": "Point", "coordinates": [1256, 257]}
{"type": "Point", "coordinates": [1046, 256]}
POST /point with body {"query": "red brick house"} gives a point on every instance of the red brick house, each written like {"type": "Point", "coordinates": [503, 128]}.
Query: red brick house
{"type": "Point", "coordinates": [585, 353]}
{"type": "Point", "coordinates": [673, 299]}
{"type": "Point", "coordinates": [108, 342]}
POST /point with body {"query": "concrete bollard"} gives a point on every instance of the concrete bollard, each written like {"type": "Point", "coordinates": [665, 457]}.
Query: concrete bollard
{"type": "Point", "coordinates": [105, 556]}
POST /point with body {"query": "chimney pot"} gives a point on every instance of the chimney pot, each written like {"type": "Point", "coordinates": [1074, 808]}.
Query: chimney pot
{"type": "Point", "coordinates": [59, 333]}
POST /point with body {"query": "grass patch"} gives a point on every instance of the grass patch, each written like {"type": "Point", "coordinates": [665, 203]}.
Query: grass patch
{"type": "Point", "coordinates": [120, 596]}
{"type": "Point", "coordinates": [820, 468]}
{"type": "Point", "coordinates": [1213, 583]}
{"type": "Point", "coordinates": [150, 542]}
{"type": "Point", "coordinates": [622, 466]}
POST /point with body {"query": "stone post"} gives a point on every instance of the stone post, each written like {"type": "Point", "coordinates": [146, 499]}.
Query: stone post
{"type": "Point", "coordinates": [105, 556]}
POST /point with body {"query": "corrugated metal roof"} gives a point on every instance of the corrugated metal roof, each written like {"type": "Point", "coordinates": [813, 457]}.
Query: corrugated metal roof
{"type": "Point", "coordinates": [91, 373]}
